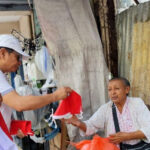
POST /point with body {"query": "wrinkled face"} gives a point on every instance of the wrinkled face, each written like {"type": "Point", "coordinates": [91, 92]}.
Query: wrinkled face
{"type": "Point", "coordinates": [117, 91]}
{"type": "Point", "coordinates": [11, 61]}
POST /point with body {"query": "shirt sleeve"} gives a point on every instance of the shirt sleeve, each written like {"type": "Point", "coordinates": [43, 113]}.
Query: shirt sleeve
{"type": "Point", "coordinates": [5, 87]}
{"type": "Point", "coordinates": [144, 119]}
{"type": "Point", "coordinates": [96, 122]}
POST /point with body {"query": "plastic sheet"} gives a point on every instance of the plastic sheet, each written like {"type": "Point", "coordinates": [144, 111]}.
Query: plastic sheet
{"type": "Point", "coordinates": [97, 143]}
{"type": "Point", "coordinates": [71, 34]}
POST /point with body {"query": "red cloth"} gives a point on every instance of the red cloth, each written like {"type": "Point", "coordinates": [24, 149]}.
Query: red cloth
{"type": "Point", "coordinates": [4, 126]}
{"type": "Point", "coordinates": [97, 143]}
{"type": "Point", "coordinates": [24, 126]}
{"type": "Point", "coordinates": [71, 105]}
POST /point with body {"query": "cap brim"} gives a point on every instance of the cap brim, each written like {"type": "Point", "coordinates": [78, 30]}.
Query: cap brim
{"type": "Point", "coordinates": [24, 55]}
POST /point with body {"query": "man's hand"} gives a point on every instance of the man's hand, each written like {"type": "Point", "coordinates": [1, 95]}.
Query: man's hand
{"type": "Point", "coordinates": [118, 137]}
{"type": "Point", "coordinates": [62, 93]}
{"type": "Point", "coordinates": [20, 134]}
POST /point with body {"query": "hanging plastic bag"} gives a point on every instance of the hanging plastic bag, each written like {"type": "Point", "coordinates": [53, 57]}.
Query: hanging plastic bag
{"type": "Point", "coordinates": [18, 81]}
{"type": "Point", "coordinates": [45, 65]}
{"type": "Point", "coordinates": [97, 143]}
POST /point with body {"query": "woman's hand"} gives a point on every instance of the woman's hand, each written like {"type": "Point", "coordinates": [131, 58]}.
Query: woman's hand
{"type": "Point", "coordinates": [124, 136]}
{"type": "Point", "coordinates": [76, 122]}
{"type": "Point", "coordinates": [73, 120]}
{"type": "Point", "coordinates": [119, 137]}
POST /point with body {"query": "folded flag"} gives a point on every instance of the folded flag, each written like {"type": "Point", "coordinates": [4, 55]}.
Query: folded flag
{"type": "Point", "coordinates": [23, 125]}
{"type": "Point", "coordinates": [72, 105]}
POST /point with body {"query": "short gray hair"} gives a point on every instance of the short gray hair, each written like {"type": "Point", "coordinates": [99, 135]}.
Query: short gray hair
{"type": "Point", "coordinates": [124, 80]}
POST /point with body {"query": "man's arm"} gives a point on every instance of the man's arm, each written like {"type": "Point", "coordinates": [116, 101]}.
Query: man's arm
{"type": "Point", "coordinates": [21, 103]}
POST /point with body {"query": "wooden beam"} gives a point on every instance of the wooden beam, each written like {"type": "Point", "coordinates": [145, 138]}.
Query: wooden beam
{"type": "Point", "coordinates": [63, 136]}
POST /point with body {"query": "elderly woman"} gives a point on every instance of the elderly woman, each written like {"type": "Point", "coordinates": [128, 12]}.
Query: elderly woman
{"type": "Point", "coordinates": [133, 116]}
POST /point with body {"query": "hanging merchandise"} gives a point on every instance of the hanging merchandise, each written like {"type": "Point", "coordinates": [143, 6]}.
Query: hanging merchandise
{"type": "Point", "coordinates": [34, 115]}
{"type": "Point", "coordinates": [46, 66]}
{"type": "Point", "coordinates": [97, 143]}
{"type": "Point", "coordinates": [18, 81]}
{"type": "Point", "coordinates": [36, 139]}
{"type": "Point", "coordinates": [33, 72]}
{"type": "Point", "coordinates": [52, 134]}
{"type": "Point", "coordinates": [72, 105]}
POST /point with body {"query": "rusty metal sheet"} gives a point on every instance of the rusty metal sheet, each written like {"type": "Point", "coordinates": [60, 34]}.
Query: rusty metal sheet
{"type": "Point", "coordinates": [133, 33]}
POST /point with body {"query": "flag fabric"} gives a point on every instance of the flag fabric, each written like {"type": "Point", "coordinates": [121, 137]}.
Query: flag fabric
{"type": "Point", "coordinates": [24, 125]}
{"type": "Point", "coordinates": [72, 105]}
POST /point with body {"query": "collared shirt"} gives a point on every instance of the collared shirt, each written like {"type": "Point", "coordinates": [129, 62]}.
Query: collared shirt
{"type": "Point", "coordinates": [5, 88]}
{"type": "Point", "coordinates": [6, 143]}
{"type": "Point", "coordinates": [135, 116]}
{"type": "Point", "coordinates": [125, 121]}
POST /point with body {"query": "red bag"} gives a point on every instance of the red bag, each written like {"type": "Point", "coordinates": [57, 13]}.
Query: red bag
{"type": "Point", "coordinates": [97, 143]}
{"type": "Point", "coordinates": [24, 126]}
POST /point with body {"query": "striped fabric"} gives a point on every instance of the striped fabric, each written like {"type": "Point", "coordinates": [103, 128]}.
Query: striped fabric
{"type": "Point", "coordinates": [139, 146]}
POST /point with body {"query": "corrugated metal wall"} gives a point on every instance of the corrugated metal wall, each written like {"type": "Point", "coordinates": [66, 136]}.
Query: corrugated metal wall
{"type": "Point", "coordinates": [133, 33]}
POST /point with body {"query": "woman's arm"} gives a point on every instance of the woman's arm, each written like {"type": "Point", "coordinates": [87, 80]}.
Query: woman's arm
{"type": "Point", "coordinates": [124, 136]}
{"type": "Point", "coordinates": [76, 122]}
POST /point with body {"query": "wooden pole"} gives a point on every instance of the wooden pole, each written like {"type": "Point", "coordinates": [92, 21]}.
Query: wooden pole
{"type": "Point", "coordinates": [63, 136]}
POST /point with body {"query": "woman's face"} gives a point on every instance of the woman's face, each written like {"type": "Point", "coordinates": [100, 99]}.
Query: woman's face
{"type": "Point", "coordinates": [117, 91]}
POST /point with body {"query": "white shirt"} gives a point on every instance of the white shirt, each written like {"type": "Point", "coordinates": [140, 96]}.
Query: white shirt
{"type": "Point", "coordinates": [102, 119]}
{"type": "Point", "coordinates": [5, 88]}
{"type": "Point", "coordinates": [6, 143]}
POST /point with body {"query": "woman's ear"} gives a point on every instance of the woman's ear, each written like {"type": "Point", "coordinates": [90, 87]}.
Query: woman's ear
{"type": "Point", "coordinates": [1, 99]}
{"type": "Point", "coordinates": [127, 89]}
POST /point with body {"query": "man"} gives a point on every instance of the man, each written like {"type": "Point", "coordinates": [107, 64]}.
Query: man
{"type": "Point", "coordinates": [10, 55]}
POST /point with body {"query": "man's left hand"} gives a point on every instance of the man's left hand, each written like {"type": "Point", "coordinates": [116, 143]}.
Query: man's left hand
{"type": "Point", "coordinates": [20, 134]}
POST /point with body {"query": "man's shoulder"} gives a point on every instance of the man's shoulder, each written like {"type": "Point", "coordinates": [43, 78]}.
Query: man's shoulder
{"type": "Point", "coordinates": [5, 87]}
{"type": "Point", "coordinates": [1, 73]}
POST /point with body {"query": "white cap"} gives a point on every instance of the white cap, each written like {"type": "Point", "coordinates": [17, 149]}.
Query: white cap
{"type": "Point", "coordinates": [9, 41]}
